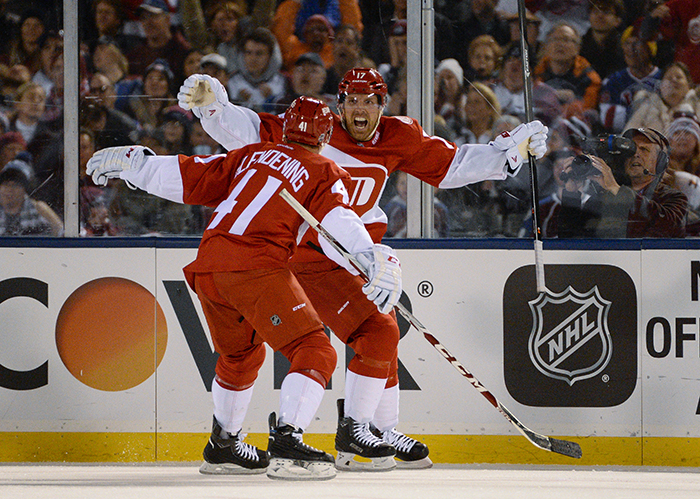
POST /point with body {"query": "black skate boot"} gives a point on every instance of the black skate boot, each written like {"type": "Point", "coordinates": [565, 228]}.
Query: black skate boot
{"type": "Point", "coordinates": [358, 449]}
{"type": "Point", "coordinates": [410, 453]}
{"type": "Point", "coordinates": [292, 459]}
{"type": "Point", "coordinates": [227, 454]}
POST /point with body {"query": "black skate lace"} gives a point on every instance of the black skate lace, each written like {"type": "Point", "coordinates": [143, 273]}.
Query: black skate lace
{"type": "Point", "coordinates": [245, 450]}
{"type": "Point", "coordinates": [363, 435]}
{"type": "Point", "coordinates": [400, 441]}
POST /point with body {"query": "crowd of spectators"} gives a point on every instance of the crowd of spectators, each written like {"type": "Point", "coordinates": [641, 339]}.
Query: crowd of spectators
{"type": "Point", "coordinates": [599, 67]}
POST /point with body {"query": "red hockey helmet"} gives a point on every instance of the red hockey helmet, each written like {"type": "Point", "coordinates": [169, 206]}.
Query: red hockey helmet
{"type": "Point", "coordinates": [308, 121]}
{"type": "Point", "coordinates": [362, 81]}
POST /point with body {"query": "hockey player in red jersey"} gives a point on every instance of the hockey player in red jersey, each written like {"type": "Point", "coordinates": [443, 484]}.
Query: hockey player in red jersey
{"type": "Point", "coordinates": [242, 277]}
{"type": "Point", "coordinates": [369, 147]}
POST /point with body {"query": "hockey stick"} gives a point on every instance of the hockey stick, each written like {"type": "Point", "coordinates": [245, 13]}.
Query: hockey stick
{"type": "Point", "coordinates": [529, 116]}
{"type": "Point", "coordinates": [565, 447]}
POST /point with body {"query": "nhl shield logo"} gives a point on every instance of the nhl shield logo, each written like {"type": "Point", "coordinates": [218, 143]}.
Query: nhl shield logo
{"type": "Point", "coordinates": [570, 339]}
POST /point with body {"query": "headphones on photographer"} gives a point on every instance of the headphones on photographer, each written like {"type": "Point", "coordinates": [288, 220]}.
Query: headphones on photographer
{"type": "Point", "coordinates": [662, 158]}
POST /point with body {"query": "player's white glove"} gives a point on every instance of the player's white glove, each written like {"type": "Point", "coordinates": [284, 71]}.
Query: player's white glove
{"type": "Point", "coordinates": [384, 272]}
{"type": "Point", "coordinates": [528, 137]}
{"type": "Point", "coordinates": [204, 95]}
{"type": "Point", "coordinates": [110, 162]}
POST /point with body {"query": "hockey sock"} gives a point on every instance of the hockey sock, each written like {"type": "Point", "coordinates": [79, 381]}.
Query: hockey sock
{"type": "Point", "coordinates": [386, 417]}
{"type": "Point", "coordinates": [300, 398]}
{"type": "Point", "coordinates": [362, 395]}
{"type": "Point", "coordinates": [230, 406]}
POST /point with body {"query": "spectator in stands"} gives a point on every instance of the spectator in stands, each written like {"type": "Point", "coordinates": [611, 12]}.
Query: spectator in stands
{"type": "Point", "coordinates": [11, 144]}
{"type": "Point", "coordinates": [483, 20]}
{"type": "Point", "coordinates": [109, 60]}
{"type": "Point", "coordinates": [532, 32]}
{"type": "Point", "coordinates": [30, 103]}
{"type": "Point", "coordinates": [176, 130]}
{"type": "Point", "coordinates": [109, 17]}
{"type": "Point", "coordinates": [308, 78]}
{"type": "Point", "coordinates": [259, 83]}
{"type": "Point", "coordinates": [347, 54]}
{"type": "Point", "coordinates": [110, 126]}
{"type": "Point", "coordinates": [224, 21]}
{"type": "Point", "coordinates": [509, 90]}
{"type": "Point", "coordinates": [51, 46]}
{"type": "Point", "coordinates": [562, 68]}
{"type": "Point", "coordinates": [397, 42]}
{"type": "Point", "coordinates": [378, 18]}
{"type": "Point", "coordinates": [25, 49]}
{"type": "Point", "coordinates": [553, 11]}
{"type": "Point", "coordinates": [215, 66]}
{"type": "Point", "coordinates": [201, 142]}
{"type": "Point", "coordinates": [450, 98]}
{"type": "Point", "coordinates": [147, 104]}
{"type": "Point", "coordinates": [95, 217]}
{"type": "Point", "coordinates": [396, 210]}
{"type": "Point", "coordinates": [679, 21]}
{"type": "Point", "coordinates": [481, 109]}
{"type": "Point", "coordinates": [619, 89]}
{"type": "Point", "coordinates": [193, 59]}
{"type": "Point", "coordinates": [397, 104]}
{"type": "Point", "coordinates": [316, 37]}
{"type": "Point", "coordinates": [684, 138]}
{"type": "Point", "coordinates": [20, 215]}
{"type": "Point", "coordinates": [484, 58]}
{"type": "Point", "coordinates": [160, 43]}
{"type": "Point", "coordinates": [676, 93]}
{"type": "Point", "coordinates": [601, 45]}
{"type": "Point", "coordinates": [645, 208]}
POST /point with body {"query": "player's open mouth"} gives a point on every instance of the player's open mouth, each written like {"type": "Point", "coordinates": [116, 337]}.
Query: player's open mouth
{"type": "Point", "coordinates": [360, 122]}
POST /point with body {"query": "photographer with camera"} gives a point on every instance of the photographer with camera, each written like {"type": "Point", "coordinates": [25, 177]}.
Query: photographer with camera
{"type": "Point", "coordinates": [615, 191]}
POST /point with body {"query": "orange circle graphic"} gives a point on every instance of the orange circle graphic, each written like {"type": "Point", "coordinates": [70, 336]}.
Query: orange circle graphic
{"type": "Point", "coordinates": [111, 334]}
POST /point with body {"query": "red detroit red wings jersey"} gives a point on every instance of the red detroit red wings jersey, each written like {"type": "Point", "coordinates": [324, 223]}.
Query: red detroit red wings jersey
{"type": "Point", "coordinates": [398, 144]}
{"type": "Point", "coordinates": [252, 226]}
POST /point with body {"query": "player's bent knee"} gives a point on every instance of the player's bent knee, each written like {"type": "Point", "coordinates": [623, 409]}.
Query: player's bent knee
{"type": "Point", "coordinates": [240, 369]}
{"type": "Point", "coordinates": [312, 355]}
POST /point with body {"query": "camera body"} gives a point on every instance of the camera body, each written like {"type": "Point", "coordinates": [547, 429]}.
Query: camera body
{"type": "Point", "coordinates": [613, 149]}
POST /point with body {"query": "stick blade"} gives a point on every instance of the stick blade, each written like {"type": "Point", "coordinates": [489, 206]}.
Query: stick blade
{"type": "Point", "coordinates": [565, 447]}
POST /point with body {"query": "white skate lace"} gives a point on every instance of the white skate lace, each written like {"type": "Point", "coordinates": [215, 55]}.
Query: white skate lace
{"type": "Point", "coordinates": [401, 442]}
{"type": "Point", "coordinates": [363, 435]}
{"type": "Point", "coordinates": [245, 450]}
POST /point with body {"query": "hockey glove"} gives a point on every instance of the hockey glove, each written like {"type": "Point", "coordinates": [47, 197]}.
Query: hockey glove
{"type": "Point", "coordinates": [384, 273]}
{"type": "Point", "coordinates": [528, 137]}
{"type": "Point", "coordinates": [204, 95]}
{"type": "Point", "coordinates": [110, 162]}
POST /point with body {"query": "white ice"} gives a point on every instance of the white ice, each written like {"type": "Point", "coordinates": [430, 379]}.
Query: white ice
{"type": "Point", "coordinates": [183, 481]}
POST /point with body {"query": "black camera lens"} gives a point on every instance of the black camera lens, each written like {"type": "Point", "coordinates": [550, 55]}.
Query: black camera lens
{"type": "Point", "coordinates": [581, 168]}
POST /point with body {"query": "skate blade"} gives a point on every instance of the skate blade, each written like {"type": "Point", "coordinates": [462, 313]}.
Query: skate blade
{"type": "Point", "coordinates": [414, 465]}
{"type": "Point", "coordinates": [294, 469]}
{"type": "Point", "coordinates": [228, 469]}
{"type": "Point", "coordinates": [348, 461]}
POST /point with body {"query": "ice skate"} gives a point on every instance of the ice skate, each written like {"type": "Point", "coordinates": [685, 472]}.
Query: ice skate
{"type": "Point", "coordinates": [358, 449]}
{"type": "Point", "coordinates": [292, 459]}
{"type": "Point", "coordinates": [227, 454]}
{"type": "Point", "coordinates": [410, 453]}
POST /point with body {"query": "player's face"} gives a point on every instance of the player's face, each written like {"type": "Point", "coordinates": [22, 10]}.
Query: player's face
{"type": "Point", "coordinates": [360, 115]}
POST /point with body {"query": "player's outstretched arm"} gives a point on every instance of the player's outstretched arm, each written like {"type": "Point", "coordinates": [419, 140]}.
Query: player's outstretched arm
{"type": "Point", "coordinates": [231, 126]}
{"type": "Point", "coordinates": [494, 161]}
{"type": "Point", "coordinates": [139, 167]}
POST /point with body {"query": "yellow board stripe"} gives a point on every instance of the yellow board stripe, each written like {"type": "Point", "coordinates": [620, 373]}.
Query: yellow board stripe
{"type": "Point", "coordinates": [452, 449]}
